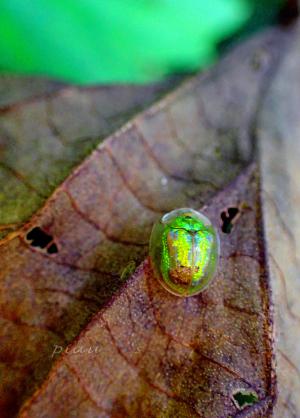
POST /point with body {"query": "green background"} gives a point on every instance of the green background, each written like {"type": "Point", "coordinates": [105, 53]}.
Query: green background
{"type": "Point", "coordinates": [110, 41]}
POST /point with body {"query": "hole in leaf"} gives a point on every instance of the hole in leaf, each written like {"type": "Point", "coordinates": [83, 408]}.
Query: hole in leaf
{"type": "Point", "coordinates": [228, 217]}
{"type": "Point", "coordinates": [243, 398]}
{"type": "Point", "coordinates": [52, 249]}
{"type": "Point", "coordinates": [39, 238]}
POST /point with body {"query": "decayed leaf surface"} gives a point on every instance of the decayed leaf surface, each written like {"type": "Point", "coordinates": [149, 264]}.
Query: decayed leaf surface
{"type": "Point", "coordinates": [164, 356]}
{"type": "Point", "coordinates": [43, 138]}
{"type": "Point", "coordinates": [96, 225]}
{"type": "Point", "coordinates": [279, 133]}
{"type": "Point", "coordinates": [14, 89]}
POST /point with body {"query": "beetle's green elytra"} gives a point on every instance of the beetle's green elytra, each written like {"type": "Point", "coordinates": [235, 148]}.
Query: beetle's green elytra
{"type": "Point", "coordinates": [184, 251]}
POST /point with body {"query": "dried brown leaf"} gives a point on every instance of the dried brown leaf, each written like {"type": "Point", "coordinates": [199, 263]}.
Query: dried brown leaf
{"type": "Point", "coordinates": [163, 356]}
{"type": "Point", "coordinates": [181, 152]}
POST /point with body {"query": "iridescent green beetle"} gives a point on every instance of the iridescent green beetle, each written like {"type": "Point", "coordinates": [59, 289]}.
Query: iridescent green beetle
{"type": "Point", "coordinates": [184, 251]}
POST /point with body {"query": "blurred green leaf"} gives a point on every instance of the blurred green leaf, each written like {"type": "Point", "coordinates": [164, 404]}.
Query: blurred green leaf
{"type": "Point", "coordinates": [112, 41]}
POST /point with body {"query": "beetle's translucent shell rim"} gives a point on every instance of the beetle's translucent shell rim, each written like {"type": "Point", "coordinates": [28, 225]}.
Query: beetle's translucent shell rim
{"type": "Point", "coordinates": [184, 251]}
